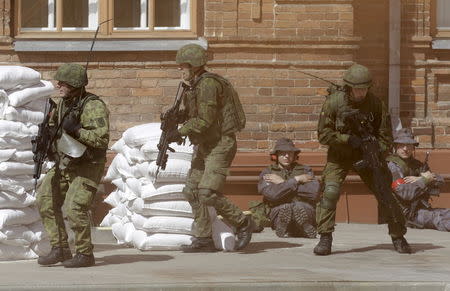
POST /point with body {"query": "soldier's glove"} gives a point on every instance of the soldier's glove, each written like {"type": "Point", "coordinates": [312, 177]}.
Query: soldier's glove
{"type": "Point", "coordinates": [71, 126]}
{"type": "Point", "coordinates": [354, 142]}
{"type": "Point", "coordinates": [175, 136]}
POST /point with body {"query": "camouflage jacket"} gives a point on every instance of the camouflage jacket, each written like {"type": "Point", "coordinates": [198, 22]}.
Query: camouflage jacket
{"type": "Point", "coordinates": [94, 119]}
{"type": "Point", "coordinates": [418, 191]}
{"type": "Point", "coordinates": [202, 111]}
{"type": "Point", "coordinates": [290, 189]}
{"type": "Point", "coordinates": [333, 131]}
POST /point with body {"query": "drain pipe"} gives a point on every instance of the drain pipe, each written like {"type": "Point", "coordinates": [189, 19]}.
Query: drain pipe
{"type": "Point", "coordinates": [394, 62]}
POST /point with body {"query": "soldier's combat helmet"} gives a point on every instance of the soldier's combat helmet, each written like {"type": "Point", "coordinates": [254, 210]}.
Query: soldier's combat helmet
{"type": "Point", "coordinates": [358, 76]}
{"type": "Point", "coordinates": [192, 54]}
{"type": "Point", "coordinates": [72, 74]}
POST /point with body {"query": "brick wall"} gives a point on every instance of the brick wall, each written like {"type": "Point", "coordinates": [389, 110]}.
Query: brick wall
{"type": "Point", "coordinates": [263, 46]}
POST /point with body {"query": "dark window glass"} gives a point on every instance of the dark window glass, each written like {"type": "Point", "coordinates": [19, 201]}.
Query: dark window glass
{"type": "Point", "coordinates": [34, 13]}
{"type": "Point", "coordinates": [167, 13]}
{"type": "Point", "coordinates": [76, 13]}
{"type": "Point", "coordinates": [127, 13]}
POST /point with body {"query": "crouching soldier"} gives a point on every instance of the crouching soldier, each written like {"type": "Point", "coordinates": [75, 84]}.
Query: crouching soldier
{"type": "Point", "coordinates": [80, 156]}
{"type": "Point", "coordinates": [414, 183]}
{"type": "Point", "coordinates": [291, 191]}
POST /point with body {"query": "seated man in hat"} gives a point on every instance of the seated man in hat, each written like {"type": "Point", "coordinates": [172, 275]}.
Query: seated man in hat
{"type": "Point", "coordinates": [291, 191]}
{"type": "Point", "coordinates": [414, 183]}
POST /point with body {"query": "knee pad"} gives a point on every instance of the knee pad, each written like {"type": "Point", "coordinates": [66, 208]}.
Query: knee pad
{"type": "Point", "coordinates": [207, 197]}
{"type": "Point", "coordinates": [330, 195]}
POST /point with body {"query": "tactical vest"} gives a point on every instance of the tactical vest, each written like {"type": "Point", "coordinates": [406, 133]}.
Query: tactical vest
{"type": "Point", "coordinates": [232, 115]}
{"type": "Point", "coordinates": [339, 103]}
{"type": "Point", "coordinates": [409, 168]}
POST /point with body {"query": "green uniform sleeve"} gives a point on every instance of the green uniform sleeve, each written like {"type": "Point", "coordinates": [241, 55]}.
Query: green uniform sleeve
{"type": "Point", "coordinates": [385, 131]}
{"type": "Point", "coordinates": [327, 133]}
{"type": "Point", "coordinates": [94, 119]}
{"type": "Point", "coordinates": [208, 92]}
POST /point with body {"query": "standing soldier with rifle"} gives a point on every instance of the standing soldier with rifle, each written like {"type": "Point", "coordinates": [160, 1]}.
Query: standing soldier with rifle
{"type": "Point", "coordinates": [212, 115]}
{"type": "Point", "coordinates": [414, 183]}
{"type": "Point", "coordinates": [356, 127]}
{"type": "Point", "coordinates": [81, 135]}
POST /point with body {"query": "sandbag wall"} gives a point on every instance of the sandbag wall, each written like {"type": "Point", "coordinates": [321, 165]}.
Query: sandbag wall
{"type": "Point", "coordinates": [153, 215]}
{"type": "Point", "coordinates": [22, 103]}
{"type": "Point", "coordinates": [145, 214]}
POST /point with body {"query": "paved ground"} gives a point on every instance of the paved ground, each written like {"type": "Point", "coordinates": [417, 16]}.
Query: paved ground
{"type": "Point", "coordinates": [363, 259]}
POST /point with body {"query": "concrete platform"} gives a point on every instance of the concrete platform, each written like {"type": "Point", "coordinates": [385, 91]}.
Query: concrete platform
{"type": "Point", "coordinates": [363, 259]}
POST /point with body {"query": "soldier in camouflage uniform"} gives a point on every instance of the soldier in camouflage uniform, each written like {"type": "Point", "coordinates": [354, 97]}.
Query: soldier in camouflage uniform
{"type": "Point", "coordinates": [413, 183]}
{"type": "Point", "coordinates": [80, 156]}
{"type": "Point", "coordinates": [291, 191]}
{"type": "Point", "coordinates": [212, 116]}
{"type": "Point", "coordinates": [344, 151]}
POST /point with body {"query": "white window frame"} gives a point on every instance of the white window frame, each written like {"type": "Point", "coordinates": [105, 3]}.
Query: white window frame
{"type": "Point", "coordinates": [101, 10]}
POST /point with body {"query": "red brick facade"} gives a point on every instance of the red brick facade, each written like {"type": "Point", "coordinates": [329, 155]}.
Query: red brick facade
{"type": "Point", "coordinates": [263, 46]}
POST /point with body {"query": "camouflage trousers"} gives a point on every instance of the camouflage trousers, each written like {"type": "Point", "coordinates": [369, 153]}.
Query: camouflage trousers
{"type": "Point", "coordinates": [71, 190]}
{"type": "Point", "coordinates": [205, 182]}
{"type": "Point", "coordinates": [333, 177]}
{"type": "Point", "coordinates": [437, 218]}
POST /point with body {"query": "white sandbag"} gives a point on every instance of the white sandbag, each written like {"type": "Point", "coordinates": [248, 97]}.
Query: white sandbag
{"type": "Point", "coordinates": [123, 233]}
{"type": "Point", "coordinates": [165, 208]}
{"type": "Point", "coordinates": [109, 220]}
{"type": "Point", "coordinates": [17, 231]}
{"type": "Point", "coordinates": [42, 247]}
{"type": "Point", "coordinates": [120, 168]}
{"type": "Point", "coordinates": [168, 224]}
{"type": "Point", "coordinates": [16, 77]}
{"type": "Point", "coordinates": [15, 143]}
{"type": "Point", "coordinates": [114, 198]}
{"type": "Point", "coordinates": [175, 172]}
{"type": "Point", "coordinates": [4, 101]}
{"type": "Point", "coordinates": [134, 185]}
{"type": "Point", "coordinates": [38, 229]}
{"type": "Point", "coordinates": [182, 152]}
{"type": "Point", "coordinates": [23, 115]}
{"type": "Point", "coordinates": [222, 234]}
{"type": "Point", "coordinates": [138, 135]}
{"type": "Point", "coordinates": [6, 154]}
{"type": "Point", "coordinates": [18, 130]}
{"type": "Point", "coordinates": [22, 157]}
{"type": "Point", "coordinates": [133, 155]}
{"type": "Point", "coordinates": [120, 211]}
{"type": "Point", "coordinates": [39, 91]}
{"type": "Point", "coordinates": [36, 105]}
{"type": "Point", "coordinates": [118, 146]}
{"type": "Point", "coordinates": [8, 252]}
{"type": "Point", "coordinates": [17, 184]}
{"type": "Point", "coordinates": [138, 221]}
{"type": "Point", "coordinates": [15, 169]}
{"type": "Point", "coordinates": [14, 200]}
{"type": "Point", "coordinates": [18, 216]}
{"type": "Point", "coordinates": [160, 241]}
{"type": "Point", "coordinates": [166, 192]}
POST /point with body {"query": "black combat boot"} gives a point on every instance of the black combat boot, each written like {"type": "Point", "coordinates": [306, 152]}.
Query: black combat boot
{"type": "Point", "coordinates": [244, 233]}
{"type": "Point", "coordinates": [323, 248]}
{"type": "Point", "coordinates": [284, 218]}
{"type": "Point", "coordinates": [56, 255]}
{"type": "Point", "coordinates": [79, 261]}
{"type": "Point", "coordinates": [302, 221]}
{"type": "Point", "coordinates": [200, 245]}
{"type": "Point", "coordinates": [401, 245]}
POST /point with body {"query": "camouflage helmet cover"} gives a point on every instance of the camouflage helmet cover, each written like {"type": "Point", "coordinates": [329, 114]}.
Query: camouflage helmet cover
{"type": "Point", "coordinates": [192, 54]}
{"type": "Point", "coordinates": [358, 76]}
{"type": "Point", "coordinates": [72, 74]}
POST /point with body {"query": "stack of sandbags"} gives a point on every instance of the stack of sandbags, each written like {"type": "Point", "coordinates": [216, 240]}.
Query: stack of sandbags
{"type": "Point", "coordinates": [148, 214]}
{"type": "Point", "coordinates": [22, 100]}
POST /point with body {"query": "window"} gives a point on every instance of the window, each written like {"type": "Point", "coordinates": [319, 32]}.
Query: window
{"type": "Point", "coordinates": [442, 18]}
{"type": "Point", "coordinates": [130, 18]}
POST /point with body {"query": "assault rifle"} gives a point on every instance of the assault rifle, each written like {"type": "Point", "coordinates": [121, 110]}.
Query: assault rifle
{"type": "Point", "coordinates": [169, 123]}
{"type": "Point", "coordinates": [41, 143]}
{"type": "Point", "coordinates": [372, 162]}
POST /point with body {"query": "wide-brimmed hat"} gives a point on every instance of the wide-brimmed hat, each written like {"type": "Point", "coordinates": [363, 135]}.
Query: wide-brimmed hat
{"type": "Point", "coordinates": [405, 136]}
{"type": "Point", "coordinates": [285, 145]}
